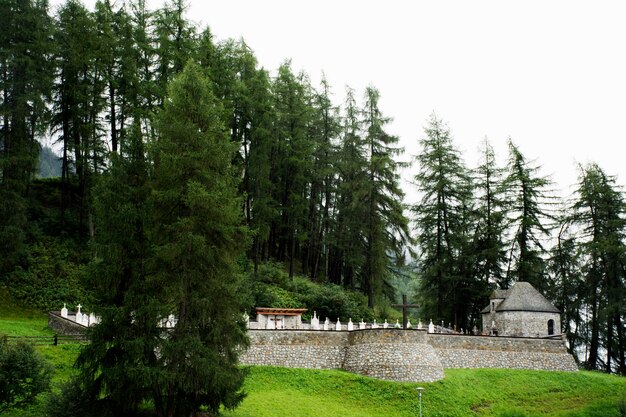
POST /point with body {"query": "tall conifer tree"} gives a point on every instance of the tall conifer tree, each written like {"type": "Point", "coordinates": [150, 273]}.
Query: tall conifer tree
{"type": "Point", "coordinates": [441, 217]}
{"type": "Point", "coordinates": [600, 212]}
{"type": "Point", "coordinates": [528, 199]}
{"type": "Point", "coordinates": [25, 81]}
{"type": "Point", "coordinates": [197, 236]}
{"type": "Point", "coordinates": [386, 227]}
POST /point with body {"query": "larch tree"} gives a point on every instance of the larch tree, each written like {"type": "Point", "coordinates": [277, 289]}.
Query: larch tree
{"type": "Point", "coordinates": [600, 213]}
{"type": "Point", "coordinates": [441, 219]}
{"type": "Point", "coordinates": [77, 104]}
{"type": "Point", "coordinates": [386, 227]}
{"type": "Point", "coordinates": [490, 223]}
{"type": "Point", "coordinates": [528, 199]}
{"type": "Point", "coordinates": [346, 243]}
{"type": "Point", "coordinates": [197, 236]}
{"type": "Point", "coordinates": [25, 82]}
{"type": "Point", "coordinates": [325, 129]}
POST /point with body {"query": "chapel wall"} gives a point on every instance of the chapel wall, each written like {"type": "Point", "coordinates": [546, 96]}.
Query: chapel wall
{"type": "Point", "coordinates": [527, 323]}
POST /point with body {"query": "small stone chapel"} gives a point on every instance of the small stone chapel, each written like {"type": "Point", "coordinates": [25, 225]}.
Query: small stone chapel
{"type": "Point", "coordinates": [520, 311]}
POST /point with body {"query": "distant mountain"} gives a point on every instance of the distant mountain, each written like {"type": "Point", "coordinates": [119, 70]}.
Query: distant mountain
{"type": "Point", "coordinates": [49, 164]}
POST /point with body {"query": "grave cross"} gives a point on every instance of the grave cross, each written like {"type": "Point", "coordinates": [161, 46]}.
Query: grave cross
{"type": "Point", "coordinates": [405, 310]}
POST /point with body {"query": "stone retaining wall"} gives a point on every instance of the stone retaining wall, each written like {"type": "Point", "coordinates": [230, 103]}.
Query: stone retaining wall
{"type": "Point", "coordinates": [502, 352]}
{"type": "Point", "coordinates": [296, 349]}
{"type": "Point", "coordinates": [393, 355]}
{"type": "Point", "coordinates": [398, 355]}
{"type": "Point", "coordinates": [63, 325]}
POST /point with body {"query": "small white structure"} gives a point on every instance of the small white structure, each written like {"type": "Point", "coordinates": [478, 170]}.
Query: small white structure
{"type": "Point", "coordinates": [397, 324]}
{"type": "Point", "coordinates": [279, 318]}
{"type": "Point", "coordinates": [431, 327]}
{"type": "Point", "coordinates": [350, 325]}
{"type": "Point", "coordinates": [362, 325]}
{"type": "Point", "coordinates": [338, 325]}
{"type": "Point", "coordinates": [64, 311]}
{"type": "Point", "coordinates": [385, 324]}
{"type": "Point", "coordinates": [374, 325]}
{"type": "Point", "coordinates": [315, 322]}
{"type": "Point", "coordinates": [326, 324]}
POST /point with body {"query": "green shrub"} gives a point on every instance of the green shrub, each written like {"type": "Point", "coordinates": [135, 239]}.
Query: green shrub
{"type": "Point", "coordinates": [334, 302]}
{"type": "Point", "coordinates": [272, 287]}
{"type": "Point", "coordinates": [23, 375]}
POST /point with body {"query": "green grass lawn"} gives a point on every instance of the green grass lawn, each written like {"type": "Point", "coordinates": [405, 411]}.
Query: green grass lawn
{"type": "Point", "coordinates": [463, 392]}
{"type": "Point", "coordinates": [281, 392]}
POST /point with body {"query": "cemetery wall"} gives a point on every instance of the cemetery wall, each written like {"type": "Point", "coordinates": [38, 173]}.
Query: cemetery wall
{"type": "Point", "coordinates": [456, 351]}
{"type": "Point", "coordinates": [63, 325]}
{"type": "Point", "coordinates": [398, 355]}
{"type": "Point", "coordinates": [394, 355]}
{"type": "Point", "coordinates": [296, 348]}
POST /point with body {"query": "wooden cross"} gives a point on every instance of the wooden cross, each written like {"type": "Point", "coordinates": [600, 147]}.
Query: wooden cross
{"type": "Point", "coordinates": [405, 310]}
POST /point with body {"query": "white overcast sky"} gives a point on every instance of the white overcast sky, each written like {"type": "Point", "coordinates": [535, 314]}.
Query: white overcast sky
{"type": "Point", "coordinates": [549, 74]}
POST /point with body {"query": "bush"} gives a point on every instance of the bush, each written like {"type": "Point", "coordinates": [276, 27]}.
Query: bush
{"type": "Point", "coordinates": [334, 302]}
{"type": "Point", "coordinates": [23, 375]}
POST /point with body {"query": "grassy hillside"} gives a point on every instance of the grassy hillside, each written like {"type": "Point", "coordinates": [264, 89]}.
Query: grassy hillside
{"type": "Point", "coordinates": [278, 392]}
{"type": "Point", "coordinates": [294, 392]}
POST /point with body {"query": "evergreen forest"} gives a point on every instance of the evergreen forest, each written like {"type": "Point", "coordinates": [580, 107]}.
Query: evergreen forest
{"type": "Point", "coordinates": [182, 156]}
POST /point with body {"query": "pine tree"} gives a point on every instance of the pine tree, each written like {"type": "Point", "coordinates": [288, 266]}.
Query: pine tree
{"type": "Point", "coordinates": [197, 236]}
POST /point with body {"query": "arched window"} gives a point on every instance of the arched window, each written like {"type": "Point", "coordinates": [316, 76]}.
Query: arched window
{"type": "Point", "coordinates": [550, 327]}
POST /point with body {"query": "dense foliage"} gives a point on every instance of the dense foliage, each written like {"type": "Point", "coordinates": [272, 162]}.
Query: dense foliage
{"type": "Point", "coordinates": [23, 375]}
{"type": "Point", "coordinates": [318, 187]}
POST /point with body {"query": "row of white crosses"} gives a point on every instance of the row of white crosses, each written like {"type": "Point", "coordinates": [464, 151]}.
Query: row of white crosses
{"type": "Point", "coordinates": [326, 325]}
{"type": "Point", "coordinates": [80, 317]}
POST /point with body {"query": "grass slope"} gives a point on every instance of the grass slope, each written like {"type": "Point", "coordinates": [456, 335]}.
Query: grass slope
{"type": "Point", "coordinates": [281, 392]}
{"type": "Point", "coordinates": [18, 320]}
{"type": "Point", "coordinates": [464, 392]}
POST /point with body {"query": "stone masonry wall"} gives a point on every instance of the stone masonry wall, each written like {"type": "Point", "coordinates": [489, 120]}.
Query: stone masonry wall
{"type": "Point", "coordinates": [528, 323]}
{"type": "Point", "coordinates": [394, 355]}
{"type": "Point", "coordinates": [296, 349]}
{"type": "Point", "coordinates": [398, 355]}
{"type": "Point", "coordinates": [501, 352]}
{"type": "Point", "coordinates": [64, 326]}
